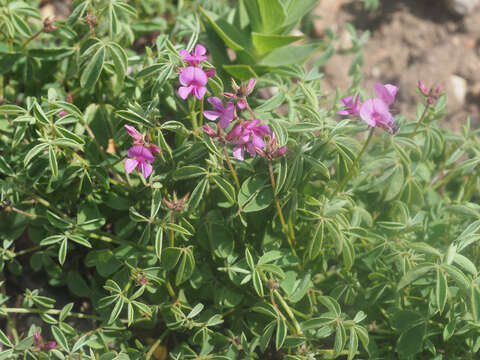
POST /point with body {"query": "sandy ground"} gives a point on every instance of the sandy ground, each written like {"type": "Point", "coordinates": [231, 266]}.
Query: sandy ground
{"type": "Point", "coordinates": [410, 40]}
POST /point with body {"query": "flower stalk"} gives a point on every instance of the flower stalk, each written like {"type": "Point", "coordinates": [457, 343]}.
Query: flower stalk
{"type": "Point", "coordinates": [347, 177]}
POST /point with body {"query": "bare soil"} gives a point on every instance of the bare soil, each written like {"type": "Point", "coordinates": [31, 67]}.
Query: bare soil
{"type": "Point", "coordinates": [411, 40]}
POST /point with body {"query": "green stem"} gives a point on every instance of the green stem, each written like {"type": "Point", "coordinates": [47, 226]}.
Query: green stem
{"type": "Point", "coordinates": [201, 111]}
{"type": "Point", "coordinates": [31, 38]}
{"type": "Point", "coordinates": [419, 122]}
{"type": "Point", "coordinates": [232, 170]}
{"type": "Point", "coordinates": [290, 237]}
{"type": "Point", "coordinates": [193, 115]}
{"type": "Point", "coordinates": [156, 344]}
{"type": "Point", "coordinates": [355, 162]}
{"type": "Point", "coordinates": [288, 311]}
{"type": "Point", "coordinates": [50, 312]}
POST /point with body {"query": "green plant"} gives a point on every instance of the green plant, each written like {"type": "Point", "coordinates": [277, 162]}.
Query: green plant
{"type": "Point", "coordinates": [336, 241]}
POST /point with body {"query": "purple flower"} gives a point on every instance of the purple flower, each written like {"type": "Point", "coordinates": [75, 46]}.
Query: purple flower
{"type": "Point", "coordinates": [386, 92]}
{"type": "Point", "coordinates": [241, 93]}
{"type": "Point", "coordinates": [209, 131]}
{"type": "Point", "coordinates": [247, 136]}
{"type": "Point", "coordinates": [49, 345]}
{"type": "Point", "coordinates": [140, 158]}
{"type": "Point", "coordinates": [134, 133]}
{"type": "Point", "coordinates": [193, 80]}
{"type": "Point", "coordinates": [352, 105]}
{"type": "Point", "coordinates": [375, 112]}
{"type": "Point", "coordinates": [225, 114]}
{"type": "Point", "coordinates": [196, 57]}
{"type": "Point", "coordinates": [36, 337]}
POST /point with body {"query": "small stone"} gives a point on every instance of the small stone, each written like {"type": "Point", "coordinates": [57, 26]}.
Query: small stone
{"type": "Point", "coordinates": [459, 88]}
{"type": "Point", "coordinates": [462, 7]}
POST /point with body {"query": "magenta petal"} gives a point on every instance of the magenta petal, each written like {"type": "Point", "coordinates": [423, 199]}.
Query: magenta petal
{"type": "Point", "coordinates": [242, 104]}
{"type": "Point", "coordinates": [210, 72]}
{"type": "Point", "coordinates": [146, 169]}
{"type": "Point", "coordinates": [238, 152]}
{"type": "Point", "coordinates": [140, 151]}
{"type": "Point", "coordinates": [216, 102]}
{"type": "Point", "coordinates": [251, 149]}
{"type": "Point", "coordinates": [375, 111]}
{"type": "Point", "coordinates": [212, 114]}
{"type": "Point", "coordinates": [263, 129]}
{"type": "Point", "coordinates": [386, 92]}
{"type": "Point", "coordinates": [133, 132]}
{"type": "Point", "coordinates": [130, 165]}
{"type": "Point", "coordinates": [184, 91]}
{"type": "Point", "coordinates": [187, 75]}
{"type": "Point", "coordinates": [200, 92]}
{"type": "Point", "coordinates": [257, 141]}
{"type": "Point", "coordinates": [250, 85]}
{"type": "Point", "coordinates": [184, 53]}
{"type": "Point", "coordinates": [209, 131]}
{"type": "Point", "coordinates": [199, 50]}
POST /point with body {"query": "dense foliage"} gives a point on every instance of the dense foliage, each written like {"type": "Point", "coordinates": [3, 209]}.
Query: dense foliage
{"type": "Point", "coordinates": [148, 213]}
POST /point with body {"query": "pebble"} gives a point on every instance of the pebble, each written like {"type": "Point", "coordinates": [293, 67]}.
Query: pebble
{"type": "Point", "coordinates": [462, 7]}
{"type": "Point", "coordinates": [459, 88]}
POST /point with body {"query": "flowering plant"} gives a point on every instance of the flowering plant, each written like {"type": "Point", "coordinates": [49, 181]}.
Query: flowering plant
{"type": "Point", "coordinates": [152, 208]}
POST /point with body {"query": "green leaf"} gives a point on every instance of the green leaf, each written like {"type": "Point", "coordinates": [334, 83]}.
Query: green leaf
{"type": "Point", "coordinates": [37, 149]}
{"type": "Point", "coordinates": [119, 57]}
{"type": "Point", "coordinates": [414, 274]}
{"type": "Point", "coordinates": [331, 304]}
{"type": "Point", "coordinates": [257, 283]}
{"type": "Point", "coordinates": [134, 118]}
{"type": "Point", "coordinates": [241, 72]}
{"type": "Point", "coordinates": [441, 290]}
{"type": "Point", "coordinates": [62, 252]}
{"type": "Point", "coordinates": [52, 159]}
{"type": "Point", "coordinates": [475, 302]}
{"type": "Point", "coordinates": [21, 26]}
{"type": "Point", "coordinates": [227, 188]}
{"type": "Point", "coordinates": [117, 309]}
{"type": "Point", "coordinates": [40, 115]}
{"type": "Point", "coordinates": [265, 43]}
{"type": "Point", "coordinates": [281, 333]}
{"type": "Point", "coordinates": [51, 54]}
{"type": "Point", "coordinates": [170, 257]}
{"type": "Point", "coordinates": [411, 340]}
{"type": "Point", "coordinates": [8, 61]}
{"type": "Point", "coordinates": [272, 103]}
{"type": "Point", "coordinates": [340, 339]}
{"type": "Point", "coordinates": [60, 338]}
{"type": "Point", "coordinates": [52, 240]}
{"type": "Point", "coordinates": [77, 13]}
{"type": "Point", "coordinates": [458, 276]}
{"type": "Point", "coordinates": [80, 240]}
{"type": "Point", "coordinates": [188, 172]}
{"type": "Point", "coordinates": [353, 344]}
{"type": "Point", "coordinates": [255, 195]}
{"type": "Point", "coordinates": [225, 31]}
{"type": "Point", "coordinates": [4, 339]}
{"type": "Point", "coordinates": [288, 55]}
{"type": "Point", "coordinates": [185, 267]}
{"type": "Point", "coordinates": [272, 15]}
{"type": "Point", "coordinates": [197, 194]}
{"type": "Point", "coordinates": [159, 243]}
{"type": "Point", "coordinates": [92, 71]}
{"type": "Point", "coordinates": [177, 228]}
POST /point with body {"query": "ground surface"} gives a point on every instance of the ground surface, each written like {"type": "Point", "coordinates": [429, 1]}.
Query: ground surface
{"type": "Point", "coordinates": [411, 40]}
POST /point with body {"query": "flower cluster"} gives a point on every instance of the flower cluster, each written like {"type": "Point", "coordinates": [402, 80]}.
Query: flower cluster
{"type": "Point", "coordinates": [431, 94]}
{"type": "Point", "coordinates": [243, 135]}
{"type": "Point", "coordinates": [140, 154]}
{"type": "Point", "coordinates": [193, 78]}
{"type": "Point", "coordinates": [375, 111]}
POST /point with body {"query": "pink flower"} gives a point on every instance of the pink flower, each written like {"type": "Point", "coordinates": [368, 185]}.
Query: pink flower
{"type": "Point", "coordinates": [138, 139]}
{"type": "Point", "coordinates": [36, 337]}
{"type": "Point", "coordinates": [241, 93]}
{"type": "Point", "coordinates": [49, 345]}
{"type": "Point", "coordinates": [193, 80]}
{"type": "Point", "coordinates": [386, 92]}
{"type": "Point", "coordinates": [197, 57]}
{"type": "Point", "coordinates": [140, 158]}
{"type": "Point", "coordinates": [209, 131]}
{"type": "Point", "coordinates": [225, 114]}
{"type": "Point", "coordinates": [134, 133]}
{"type": "Point", "coordinates": [247, 136]}
{"type": "Point", "coordinates": [352, 105]}
{"type": "Point", "coordinates": [375, 112]}
{"type": "Point", "coordinates": [431, 94]}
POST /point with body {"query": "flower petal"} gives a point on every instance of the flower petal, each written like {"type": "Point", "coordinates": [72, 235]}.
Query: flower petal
{"type": "Point", "coordinates": [146, 169]}
{"type": "Point", "coordinates": [200, 50]}
{"type": "Point", "coordinates": [216, 102]}
{"type": "Point", "coordinates": [238, 152]}
{"type": "Point", "coordinates": [133, 133]}
{"type": "Point", "coordinates": [184, 91]}
{"type": "Point", "coordinates": [199, 92]}
{"type": "Point", "coordinates": [130, 165]}
{"type": "Point", "coordinates": [212, 114]}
